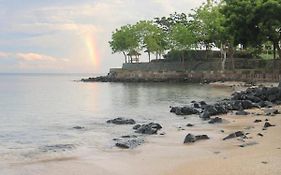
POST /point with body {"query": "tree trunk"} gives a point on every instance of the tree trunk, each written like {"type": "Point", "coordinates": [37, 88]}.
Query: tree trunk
{"type": "Point", "coordinates": [274, 50]}
{"type": "Point", "coordinates": [231, 54]}
{"type": "Point", "coordinates": [223, 56]}
{"type": "Point", "coordinates": [148, 56]}
{"type": "Point", "coordinates": [125, 56]}
{"type": "Point", "coordinates": [278, 50]}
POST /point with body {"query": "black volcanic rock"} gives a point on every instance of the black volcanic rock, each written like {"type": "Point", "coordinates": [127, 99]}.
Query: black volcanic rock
{"type": "Point", "coordinates": [121, 121]}
{"type": "Point", "coordinates": [184, 110]}
{"type": "Point", "coordinates": [267, 124]}
{"type": "Point", "coordinates": [190, 138]}
{"type": "Point", "coordinates": [234, 135]}
{"type": "Point", "coordinates": [149, 129]}
{"type": "Point", "coordinates": [129, 143]}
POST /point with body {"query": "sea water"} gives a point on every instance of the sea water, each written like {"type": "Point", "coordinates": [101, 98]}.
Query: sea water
{"type": "Point", "coordinates": [38, 112]}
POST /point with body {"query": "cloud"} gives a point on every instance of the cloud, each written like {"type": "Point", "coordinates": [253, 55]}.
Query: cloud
{"type": "Point", "coordinates": [35, 57]}
{"type": "Point", "coordinates": [4, 54]}
{"type": "Point", "coordinates": [60, 29]}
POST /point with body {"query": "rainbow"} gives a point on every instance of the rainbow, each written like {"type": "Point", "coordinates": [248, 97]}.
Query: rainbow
{"type": "Point", "coordinates": [92, 49]}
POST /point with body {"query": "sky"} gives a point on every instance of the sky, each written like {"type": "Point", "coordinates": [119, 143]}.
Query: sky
{"type": "Point", "coordinates": [71, 36]}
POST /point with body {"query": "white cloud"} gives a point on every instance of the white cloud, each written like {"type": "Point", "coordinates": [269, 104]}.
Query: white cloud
{"type": "Point", "coordinates": [34, 57]}
{"type": "Point", "coordinates": [4, 54]}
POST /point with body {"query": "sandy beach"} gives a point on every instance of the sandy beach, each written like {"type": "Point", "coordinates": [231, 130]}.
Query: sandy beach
{"type": "Point", "coordinates": [167, 155]}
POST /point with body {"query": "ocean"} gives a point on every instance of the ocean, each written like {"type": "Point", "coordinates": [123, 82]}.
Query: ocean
{"type": "Point", "coordinates": [38, 113]}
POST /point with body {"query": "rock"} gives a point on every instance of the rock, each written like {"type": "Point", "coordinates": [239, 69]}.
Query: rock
{"type": "Point", "coordinates": [150, 128]}
{"type": "Point", "coordinates": [205, 115]}
{"type": "Point", "coordinates": [215, 120]}
{"type": "Point", "coordinates": [211, 110]}
{"type": "Point", "coordinates": [137, 126]}
{"type": "Point", "coordinates": [266, 120]}
{"type": "Point", "coordinates": [263, 104]}
{"type": "Point", "coordinates": [234, 135]}
{"type": "Point", "coordinates": [257, 121]}
{"type": "Point", "coordinates": [242, 112]}
{"type": "Point", "coordinates": [202, 103]}
{"type": "Point", "coordinates": [190, 138]}
{"type": "Point", "coordinates": [184, 110]}
{"type": "Point", "coordinates": [78, 127]}
{"type": "Point", "coordinates": [121, 121]}
{"type": "Point", "coordinates": [270, 112]}
{"type": "Point", "coordinates": [201, 137]}
{"type": "Point", "coordinates": [267, 124]}
{"type": "Point", "coordinates": [129, 144]}
{"type": "Point", "coordinates": [189, 125]}
{"type": "Point", "coordinates": [196, 105]}
{"type": "Point", "coordinates": [259, 134]}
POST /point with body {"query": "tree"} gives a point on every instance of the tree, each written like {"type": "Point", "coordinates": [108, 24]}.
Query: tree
{"type": "Point", "coordinates": [206, 22]}
{"type": "Point", "coordinates": [181, 38]}
{"type": "Point", "coordinates": [268, 18]}
{"type": "Point", "coordinates": [124, 40]}
{"type": "Point", "coordinates": [151, 37]}
{"type": "Point", "coordinates": [253, 22]}
{"type": "Point", "coordinates": [166, 23]}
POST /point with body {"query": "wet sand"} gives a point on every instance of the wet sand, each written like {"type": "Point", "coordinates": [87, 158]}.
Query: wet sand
{"type": "Point", "coordinates": [167, 155]}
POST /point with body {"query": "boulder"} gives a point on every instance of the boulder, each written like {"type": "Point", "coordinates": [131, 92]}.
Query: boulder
{"type": "Point", "coordinates": [242, 112]}
{"type": "Point", "coordinates": [267, 124]}
{"type": "Point", "coordinates": [184, 110]}
{"type": "Point", "coordinates": [149, 129]}
{"type": "Point", "coordinates": [215, 120]}
{"type": "Point", "coordinates": [234, 135]}
{"type": "Point", "coordinates": [137, 126]}
{"type": "Point", "coordinates": [129, 143]}
{"type": "Point", "coordinates": [121, 121]}
{"type": "Point", "coordinates": [190, 138]}
{"type": "Point", "coordinates": [257, 121]}
{"type": "Point", "coordinates": [189, 125]}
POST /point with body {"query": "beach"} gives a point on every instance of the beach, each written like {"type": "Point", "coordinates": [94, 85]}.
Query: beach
{"type": "Point", "coordinates": [167, 155]}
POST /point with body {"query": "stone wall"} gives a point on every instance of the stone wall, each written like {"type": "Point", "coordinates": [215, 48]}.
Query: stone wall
{"type": "Point", "coordinates": [249, 70]}
{"type": "Point", "coordinates": [192, 76]}
{"type": "Point", "coordinates": [206, 65]}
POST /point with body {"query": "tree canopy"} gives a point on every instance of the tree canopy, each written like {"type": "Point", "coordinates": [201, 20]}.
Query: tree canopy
{"type": "Point", "coordinates": [225, 24]}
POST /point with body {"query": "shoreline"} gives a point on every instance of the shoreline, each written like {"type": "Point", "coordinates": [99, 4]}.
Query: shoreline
{"type": "Point", "coordinates": [167, 154]}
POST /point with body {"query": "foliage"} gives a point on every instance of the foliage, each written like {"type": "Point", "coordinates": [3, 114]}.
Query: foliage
{"type": "Point", "coordinates": [254, 25]}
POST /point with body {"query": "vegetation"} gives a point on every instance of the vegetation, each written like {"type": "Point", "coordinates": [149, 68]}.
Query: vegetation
{"type": "Point", "coordinates": [250, 26]}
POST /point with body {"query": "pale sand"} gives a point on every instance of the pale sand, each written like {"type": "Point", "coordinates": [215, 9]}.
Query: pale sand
{"type": "Point", "coordinates": [167, 155]}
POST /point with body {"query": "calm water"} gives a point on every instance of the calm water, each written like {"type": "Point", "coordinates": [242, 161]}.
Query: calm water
{"type": "Point", "coordinates": [38, 112]}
